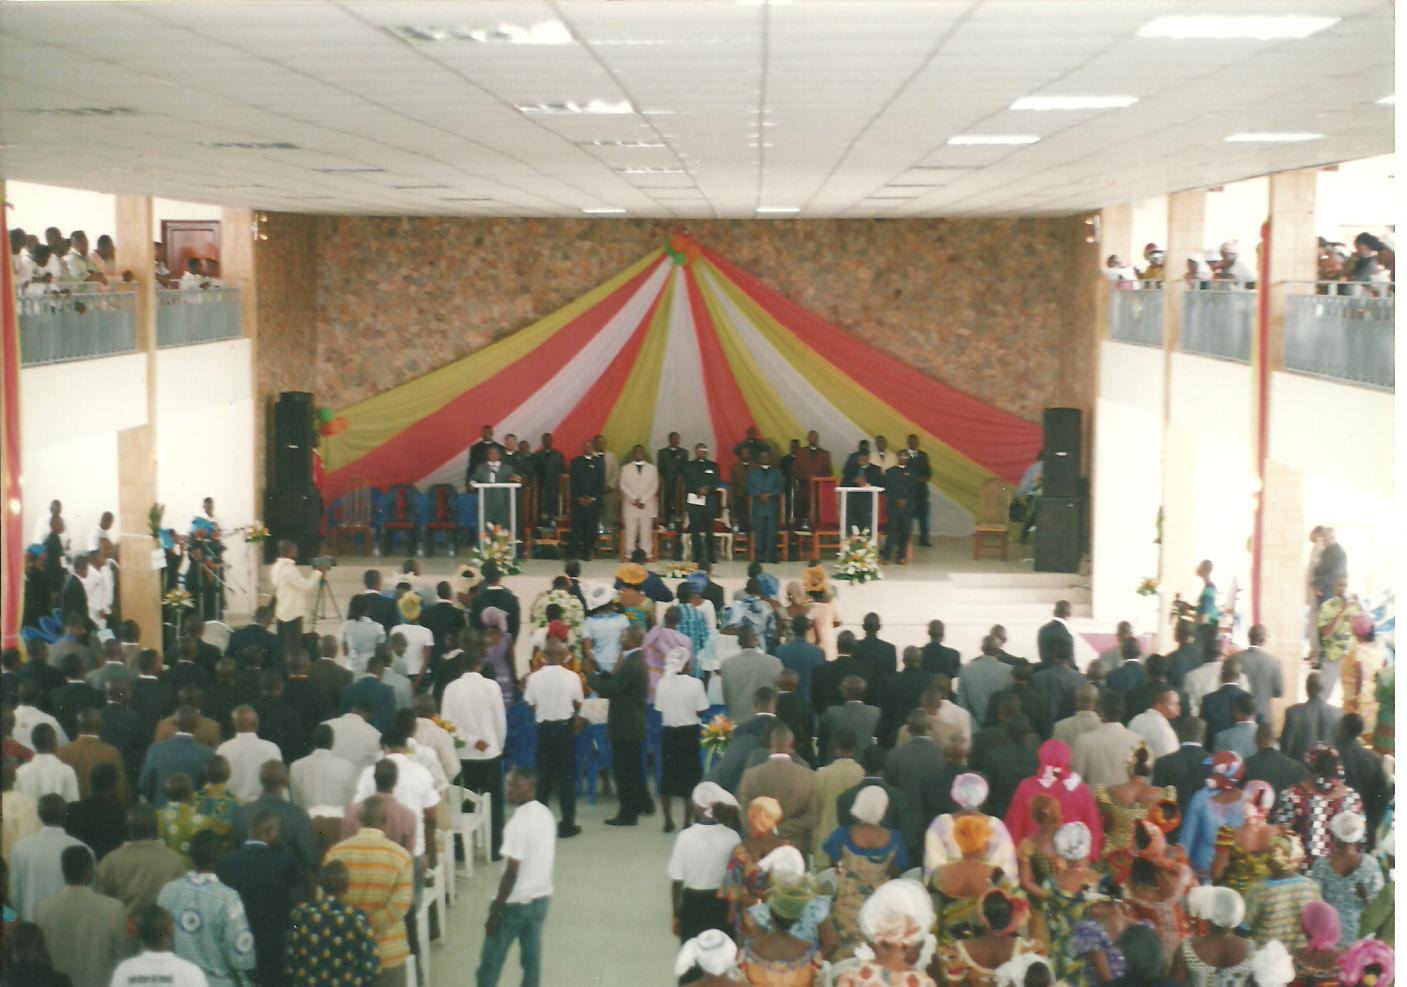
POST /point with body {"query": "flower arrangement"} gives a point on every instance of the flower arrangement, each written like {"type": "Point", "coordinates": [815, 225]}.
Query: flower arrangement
{"type": "Point", "coordinates": [717, 735]}
{"type": "Point", "coordinates": [179, 599]}
{"type": "Point", "coordinates": [256, 533]}
{"type": "Point", "coordinates": [572, 612]}
{"type": "Point", "coordinates": [679, 570]}
{"type": "Point", "coordinates": [1148, 586]}
{"type": "Point", "coordinates": [448, 727]}
{"type": "Point", "coordinates": [496, 546]}
{"type": "Point", "coordinates": [858, 559]}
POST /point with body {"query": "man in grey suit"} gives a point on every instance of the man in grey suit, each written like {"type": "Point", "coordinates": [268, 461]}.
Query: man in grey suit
{"type": "Point", "coordinates": [851, 714]}
{"type": "Point", "coordinates": [1240, 737]}
{"type": "Point", "coordinates": [981, 679]}
{"type": "Point", "coordinates": [1310, 722]}
{"type": "Point", "coordinates": [916, 769]}
{"type": "Point", "coordinates": [746, 672]}
{"type": "Point", "coordinates": [792, 785]}
{"type": "Point", "coordinates": [494, 470]}
{"type": "Point", "coordinates": [1262, 672]}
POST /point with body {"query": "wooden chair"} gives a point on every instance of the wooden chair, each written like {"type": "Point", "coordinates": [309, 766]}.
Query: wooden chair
{"type": "Point", "coordinates": [555, 536]}
{"type": "Point", "coordinates": [351, 518]}
{"type": "Point", "coordinates": [993, 516]}
{"type": "Point", "coordinates": [663, 536]}
{"type": "Point", "coordinates": [723, 527]}
{"type": "Point", "coordinates": [825, 516]}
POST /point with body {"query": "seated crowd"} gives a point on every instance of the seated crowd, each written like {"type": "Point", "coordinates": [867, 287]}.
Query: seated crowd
{"type": "Point", "coordinates": [865, 816]}
{"type": "Point", "coordinates": [59, 262]}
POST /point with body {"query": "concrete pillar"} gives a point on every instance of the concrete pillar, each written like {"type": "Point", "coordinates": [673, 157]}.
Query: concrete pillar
{"type": "Point", "coordinates": [1116, 233]}
{"type": "Point", "coordinates": [1294, 251]}
{"type": "Point", "coordinates": [136, 447]}
{"type": "Point", "coordinates": [1284, 552]}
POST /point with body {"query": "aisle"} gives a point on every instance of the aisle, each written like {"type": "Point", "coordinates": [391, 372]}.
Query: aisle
{"type": "Point", "coordinates": [609, 918]}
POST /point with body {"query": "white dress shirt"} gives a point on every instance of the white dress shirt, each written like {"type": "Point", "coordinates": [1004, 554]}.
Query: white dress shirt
{"type": "Point", "coordinates": [45, 774]}
{"type": "Point", "coordinates": [700, 856]}
{"type": "Point", "coordinates": [29, 717]}
{"type": "Point", "coordinates": [247, 754]}
{"type": "Point", "coordinates": [152, 967]}
{"type": "Point", "coordinates": [554, 693]}
{"type": "Point", "coordinates": [415, 789]}
{"type": "Point", "coordinates": [359, 640]}
{"type": "Point", "coordinates": [418, 642]}
{"type": "Point", "coordinates": [95, 539]}
{"type": "Point", "coordinates": [291, 589]}
{"type": "Point", "coordinates": [93, 590]}
{"type": "Point", "coordinates": [680, 698]}
{"type": "Point", "coordinates": [354, 740]}
{"type": "Point", "coordinates": [1156, 732]}
{"type": "Point", "coordinates": [433, 737]}
{"type": "Point", "coordinates": [321, 778]}
{"type": "Point", "coordinates": [530, 838]}
{"type": "Point", "coordinates": [474, 705]}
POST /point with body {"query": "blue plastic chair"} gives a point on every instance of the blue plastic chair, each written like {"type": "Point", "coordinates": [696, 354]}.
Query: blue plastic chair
{"type": "Point", "coordinates": [654, 744]}
{"type": "Point", "coordinates": [35, 634]}
{"type": "Point", "coordinates": [467, 514]}
{"type": "Point", "coordinates": [52, 627]}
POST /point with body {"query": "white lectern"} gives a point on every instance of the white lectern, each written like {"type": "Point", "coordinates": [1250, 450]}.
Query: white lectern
{"type": "Point", "coordinates": [844, 495]}
{"type": "Point", "coordinates": [511, 492]}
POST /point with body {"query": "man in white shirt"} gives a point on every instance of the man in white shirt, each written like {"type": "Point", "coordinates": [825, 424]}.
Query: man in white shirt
{"type": "Point", "coordinates": [415, 786]}
{"type": "Point", "coordinates": [291, 589]}
{"type": "Point", "coordinates": [94, 582]}
{"type": "Point", "coordinates": [45, 774]}
{"type": "Point", "coordinates": [555, 695]}
{"type": "Point", "coordinates": [474, 704]}
{"type": "Point", "coordinates": [1154, 724]}
{"type": "Point", "coordinates": [1101, 756]}
{"type": "Point", "coordinates": [246, 754]}
{"type": "Point", "coordinates": [193, 278]}
{"type": "Point", "coordinates": [639, 487]}
{"type": "Point", "coordinates": [519, 910]}
{"type": "Point", "coordinates": [28, 716]}
{"type": "Point", "coordinates": [322, 778]}
{"type": "Point", "coordinates": [435, 738]}
{"type": "Point", "coordinates": [103, 530]}
{"type": "Point", "coordinates": [156, 963]}
{"type": "Point", "coordinates": [698, 864]}
{"type": "Point", "coordinates": [35, 870]}
{"type": "Point", "coordinates": [76, 265]}
{"type": "Point", "coordinates": [21, 264]}
{"type": "Point", "coordinates": [412, 644]}
{"type": "Point", "coordinates": [354, 739]}
{"type": "Point", "coordinates": [360, 634]}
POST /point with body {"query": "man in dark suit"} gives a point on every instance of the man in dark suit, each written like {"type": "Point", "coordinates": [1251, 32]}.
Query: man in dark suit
{"type": "Point", "coordinates": [1269, 765]}
{"type": "Point", "coordinates": [206, 654]}
{"type": "Point", "coordinates": [182, 754]}
{"type": "Point", "coordinates": [670, 462]}
{"type": "Point", "coordinates": [380, 608]}
{"type": "Point", "coordinates": [479, 451]}
{"type": "Point", "coordinates": [872, 762]}
{"type": "Point", "coordinates": [1188, 654]}
{"type": "Point", "coordinates": [915, 769]}
{"type": "Point", "coordinates": [922, 472]}
{"type": "Point", "coordinates": [370, 689]}
{"type": "Point", "coordinates": [802, 657]}
{"type": "Point", "coordinates": [124, 728]}
{"type": "Point", "coordinates": [305, 698]}
{"type": "Point", "coordinates": [1052, 632]}
{"type": "Point", "coordinates": [862, 509]}
{"type": "Point", "coordinates": [701, 479]}
{"type": "Point", "coordinates": [825, 681]}
{"type": "Point", "coordinates": [1058, 684]}
{"type": "Point", "coordinates": [1218, 707]}
{"type": "Point", "coordinates": [1034, 705]}
{"type": "Point", "coordinates": [74, 696]}
{"type": "Point", "coordinates": [265, 873]}
{"type": "Point", "coordinates": [278, 720]}
{"type": "Point", "coordinates": [900, 695]}
{"type": "Point", "coordinates": [625, 725]}
{"type": "Point", "coordinates": [1331, 567]}
{"type": "Point", "coordinates": [938, 659]}
{"type": "Point", "coordinates": [586, 481]}
{"type": "Point", "coordinates": [812, 463]}
{"type": "Point", "coordinates": [794, 710]}
{"type": "Point", "coordinates": [1188, 767]}
{"type": "Point", "coordinates": [152, 698]}
{"type": "Point", "coordinates": [549, 465]}
{"type": "Point", "coordinates": [73, 598]}
{"type": "Point", "coordinates": [495, 505]}
{"type": "Point", "coordinates": [900, 494]}
{"type": "Point", "coordinates": [495, 594]}
{"type": "Point", "coordinates": [1009, 764]}
{"type": "Point", "coordinates": [256, 634]}
{"type": "Point", "coordinates": [444, 618]}
{"type": "Point", "coordinates": [851, 714]}
{"type": "Point", "coordinates": [1130, 677]}
{"type": "Point", "coordinates": [1363, 772]}
{"type": "Point", "coordinates": [1310, 722]}
{"type": "Point", "coordinates": [879, 657]}
{"type": "Point", "coordinates": [712, 592]}
{"type": "Point", "coordinates": [329, 675]}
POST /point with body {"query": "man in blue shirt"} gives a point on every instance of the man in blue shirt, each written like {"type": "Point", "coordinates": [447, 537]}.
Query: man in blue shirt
{"type": "Point", "coordinates": [764, 490]}
{"type": "Point", "coordinates": [211, 928]}
{"type": "Point", "coordinates": [801, 656]}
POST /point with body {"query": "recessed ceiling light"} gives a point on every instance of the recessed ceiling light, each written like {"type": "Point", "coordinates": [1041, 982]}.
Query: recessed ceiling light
{"type": "Point", "coordinates": [348, 171]}
{"type": "Point", "coordinates": [542, 33]}
{"type": "Point", "coordinates": [1289, 137]}
{"type": "Point", "coordinates": [1388, 100]}
{"type": "Point", "coordinates": [1216, 27]}
{"type": "Point", "coordinates": [406, 188]}
{"type": "Point", "coordinates": [604, 106]}
{"type": "Point", "coordinates": [83, 111]}
{"type": "Point", "coordinates": [777, 210]}
{"type": "Point", "coordinates": [620, 144]}
{"type": "Point", "coordinates": [974, 140]}
{"type": "Point", "coordinates": [603, 211]}
{"type": "Point", "coordinates": [463, 198]}
{"type": "Point", "coordinates": [251, 145]}
{"type": "Point", "coordinates": [1073, 102]}
{"type": "Point", "coordinates": [650, 171]}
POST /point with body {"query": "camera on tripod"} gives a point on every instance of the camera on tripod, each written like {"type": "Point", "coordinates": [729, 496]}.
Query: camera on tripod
{"type": "Point", "coordinates": [325, 562]}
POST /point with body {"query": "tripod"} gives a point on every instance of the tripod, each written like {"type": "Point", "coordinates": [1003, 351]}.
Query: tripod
{"type": "Point", "coordinates": [324, 595]}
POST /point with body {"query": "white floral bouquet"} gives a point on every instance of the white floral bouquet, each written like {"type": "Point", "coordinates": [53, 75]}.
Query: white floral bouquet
{"type": "Point", "coordinates": [497, 547]}
{"type": "Point", "coordinates": [858, 560]}
{"type": "Point", "coordinates": [178, 599]}
{"type": "Point", "coordinates": [572, 612]}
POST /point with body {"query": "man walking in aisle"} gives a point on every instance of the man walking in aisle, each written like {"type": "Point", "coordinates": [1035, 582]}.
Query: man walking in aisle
{"type": "Point", "coordinates": [519, 910]}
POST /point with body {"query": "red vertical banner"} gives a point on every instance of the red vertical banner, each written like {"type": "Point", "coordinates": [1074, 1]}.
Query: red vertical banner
{"type": "Point", "coordinates": [12, 550]}
{"type": "Point", "coordinates": [1260, 383]}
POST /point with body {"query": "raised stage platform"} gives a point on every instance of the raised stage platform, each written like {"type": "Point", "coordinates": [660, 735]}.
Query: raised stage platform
{"type": "Point", "coordinates": [942, 582]}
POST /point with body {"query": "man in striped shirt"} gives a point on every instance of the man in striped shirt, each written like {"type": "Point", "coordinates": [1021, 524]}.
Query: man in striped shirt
{"type": "Point", "coordinates": [381, 882]}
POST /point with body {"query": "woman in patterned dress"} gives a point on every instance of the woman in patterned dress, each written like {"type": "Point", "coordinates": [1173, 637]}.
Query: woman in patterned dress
{"type": "Point", "coordinates": [1158, 881]}
{"type": "Point", "coordinates": [744, 881]}
{"type": "Point", "coordinates": [866, 855]}
{"type": "Point", "coordinates": [1220, 958]}
{"type": "Point", "coordinates": [1338, 643]}
{"type": "Point", "coordinates": [896, 920]}
{"type": "Point", "coordinates": [1274, 905]}
{"type": "Point", "coordinates": [778, 957]}
{"type": "Point", "coordinates": [1305, 809]}
{"type": "Point", "coordinates": [1240, 859]}
{"type": "Point", "coordinates": [1120, 806]}
{"type": "Point", "coordinates": [974, 962]}
{"type": "Point", "coordinates": [1348, 878]}
{"type": "Point", "coordinates": [1064, 904]}
{"type": "Point", "coordinates": [969, 791]}
{"type": "Point", "coordinates": [958, 887]}
{"type": "Point", "coordinates": [1096, 937]}
{"type": "Point", "coordinates": [1217, 805]}
{"type": "Point", "coordinates": [1317, 963]}
{"type": "Point", "coordinates": [1036, 858]}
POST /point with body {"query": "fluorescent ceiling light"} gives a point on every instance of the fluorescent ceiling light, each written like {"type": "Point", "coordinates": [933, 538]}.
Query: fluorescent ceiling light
{"type": "Point", "coordinates": [1289, 137]}
{"type": "Point", "coordinates": [542, 33]}
{"type": "Point", "coordinates": [777, 210]}
{"type": "Point", "coordinates": [1215, 27]}
{"type": "Point", "coordinates": [620, 143]}
{"type": "Point", "coordinates": [348, 171]}
{"type": "Point", "coordinates": [650, 171]}
{"type": "Point", "coordinates": [251, 145]}
{"type": "Point", "coordinates": [604, 106]}
{"type": "Point", "coordinates": [603, 211]}
{"type": "Point", "coordinates": [1389, 100]}
{"type": "Point", "coordinates": [975, 140]}
{"type": "Point", "coordinates": [1073, 102]}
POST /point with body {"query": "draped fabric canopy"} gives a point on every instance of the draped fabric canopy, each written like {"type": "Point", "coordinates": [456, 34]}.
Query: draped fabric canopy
{"type": "Point", "coordinates": [682, 340]}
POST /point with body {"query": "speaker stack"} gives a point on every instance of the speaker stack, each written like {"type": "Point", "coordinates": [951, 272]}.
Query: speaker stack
{"type": "Point", "coordinates": [1060, 520]}
{"type": "Point", "coordinates": [292, 506]}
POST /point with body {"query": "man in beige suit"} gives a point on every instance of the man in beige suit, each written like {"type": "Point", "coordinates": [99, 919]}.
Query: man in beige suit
{"type": "Point", "coordinates": [639, 488]}
{"type": "Point", "coordinates": [1101, 757]}
{"type": "Point", "coordinates": [792, 785]}
{"type": "Point", "coordinates": [1072, 728]}
{"type": "Point", "coordinates": [745, 672]}
{"type": "Point", "coordinates": [88, 751]}
{"type": "Point", "coordinates": [207, 731]}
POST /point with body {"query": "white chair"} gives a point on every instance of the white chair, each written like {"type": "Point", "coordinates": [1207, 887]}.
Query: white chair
{"type": "Point", "coordinates": [422, 929]}
{"type": "Point", "coordinates": [444, 839]}
{"type": "Point", "coordinates": [471, 827]}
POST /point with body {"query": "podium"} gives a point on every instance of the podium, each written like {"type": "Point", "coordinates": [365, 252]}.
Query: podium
{"type": "Point", "coordinates": [510, 492]}
{"type": "Point", "coordinates": [844, 494]}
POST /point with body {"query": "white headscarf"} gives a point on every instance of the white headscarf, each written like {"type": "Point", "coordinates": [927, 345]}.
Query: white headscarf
{"type": "Point", "coordinates": [676, 660]}
{"type": "Point", "coordinates": [1072, 841]}
{"type": "Point", "coordinates": [1013, 972]}
{"type": "Point", "coordinates": [898, 912]}
{"type": "Point", "coordinates": [707, 794]}
{"type": "Point", "coordinates": [784, 864]}
{"type": "Point", "coordinates": [1199, 901]}
{"type": "Point", "coordinates": [711, 951]}
{"type": "Point", "coordinates": [1348, 827]}
{"type": "Point", "coordinates": [969, 790]}
{"type": "Point", "coordinates": [1225, 908]}
{"type": "Point", "coordinates": [870, 805]}
{"type": "Point", "coordinates": [1272, 966]}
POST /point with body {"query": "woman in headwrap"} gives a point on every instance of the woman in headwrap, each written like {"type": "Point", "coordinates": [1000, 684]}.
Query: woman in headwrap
{"type": "Point", "coordinates": [969, 791]}
{"type": "Point", "coordinates": [1065, 901]}
{"type": "Point", "coordinates": [1274, 905]}
{"type": "Point", "coordinates": [960, 885]}
{"type": "Point", "coordinates": [1240, 859]}
{"type": "Point", "coordinates": [975, 961]}
{"type": "Point", "coordinates": [896, 920]}
{"type": "Point", "coordinates": [698, 863]}
{"type": "Point", "coordinates": [1305, 809]}
{"type": "Point", "coordinates": [780, 956]}
{"type": "Point", "coordinates": [1348, 878]}
{"type": "Point", "coordinates": [866, 855]}
{"type": "Point", "coordinates": [1342, 624]}
{"type": "Point", "coordinates": [1317, 962]}
{"type": "Point", "coordinates": [1144, 963]}
{"type": "Point", "coordinates": [1035, 855]}
{"type": "Point", "coordinates": [1367, 963]}
{"type": "Point", "coordinates": [680, 698]}
{"type": "Point", "coordinates": [638, 608]}
{"type": "Point", "coordinates": [1121, 806]}
{"type": "Point", "coordinates": [808, 911]}
{"type": "Point", "coordinates": [744, 882]}
{"type": "Point", "coordinates": [498, 650]}
{"type": "Point", "coordinates": [1218, 804]}
{"type": "Point", "coordinates": [1219, 958]}
{"type": "Point", "coordinates": [1096, 937]}
{"type": "Point", "coordinates": [1055, 778]}
{"type": "Point", "coordinates": [824, 614]}
{"type": "Point", "coordinates": [797, 604]}
{"type": "Point", "coordinates": [1158, 881]}
{"type": "Point", "coordinates": [713, 955]}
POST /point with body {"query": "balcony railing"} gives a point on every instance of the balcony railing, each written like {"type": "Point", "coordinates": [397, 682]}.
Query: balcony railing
{"type": "Point", "coordinates": [1136, 312]}
{"type": "Point", "coordinates": [78, 323]}
{"type": "Point", "coordinates": [1343, 331]}
{"type": "Point", "coordinates": [187, 316]}
{"type": "Point", "coordinates": [1217, 321]}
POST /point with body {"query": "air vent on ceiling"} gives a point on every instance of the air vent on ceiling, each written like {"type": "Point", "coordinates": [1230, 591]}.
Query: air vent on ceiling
{"type": "Point", "coordinates": [83, 111]}
{"type": "Point", "coordinates": [251, 145]}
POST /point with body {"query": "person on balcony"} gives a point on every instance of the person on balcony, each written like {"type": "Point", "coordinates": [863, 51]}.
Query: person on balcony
{"type": "Point", "coordinates": [195, 277]}
{"type": "Point", "coordinates": [1233, 266]}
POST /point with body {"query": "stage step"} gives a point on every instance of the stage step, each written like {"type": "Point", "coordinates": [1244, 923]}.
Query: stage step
{"type": "Point", "coordinates": [1044, 580]}
{"type": "Point", "coordinates": [1044, 595]}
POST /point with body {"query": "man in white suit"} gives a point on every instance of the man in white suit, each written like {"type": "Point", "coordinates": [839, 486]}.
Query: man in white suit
{"type": "Point", "coordinates": [639, 486]}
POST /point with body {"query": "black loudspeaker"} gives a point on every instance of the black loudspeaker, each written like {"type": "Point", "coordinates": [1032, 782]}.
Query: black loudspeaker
{"type": "Point", "coordinates": [1062, 452]}
{"type": "Point", "coordinates": [296, 516]}
{"type": "Point", "coordinates": [1059, 534]}
{"type": "Point", "coordinates": [293, 441]}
